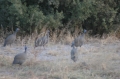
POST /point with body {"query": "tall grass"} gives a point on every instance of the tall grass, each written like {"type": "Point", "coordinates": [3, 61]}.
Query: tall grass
{"type": "Point", "coordinates": [98, 59]}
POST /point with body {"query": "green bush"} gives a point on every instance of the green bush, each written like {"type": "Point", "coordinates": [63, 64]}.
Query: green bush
{"type": "Point", "coordinates": [96, 15]}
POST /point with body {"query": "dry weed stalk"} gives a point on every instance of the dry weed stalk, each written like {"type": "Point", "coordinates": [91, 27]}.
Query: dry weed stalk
{"type": "Point", "coordinates": [54, 37]}
{"type": "Point", "coordinates": [35, 53]}
{"type": "Point", "coordinates": [33, 76]}
{"type": "Point", "coordinates": [110, 38]}
{"type": "Point", "coordinates": [68, 38]}
{"type": "Point", "coordinates": [104, 66]}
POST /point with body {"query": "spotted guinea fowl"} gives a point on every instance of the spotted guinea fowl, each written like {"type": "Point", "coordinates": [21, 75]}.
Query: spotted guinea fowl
{"type": "Point", "coordinates": [43, 40]}
{"type": "Point", "coordinates": [20, 58]}
{"type": "Point", "coordinates": [74, 54]}
{"type": "Point", "coordinates": [79, 41]}
{"type": "Point", "coordinates": [11, 38]}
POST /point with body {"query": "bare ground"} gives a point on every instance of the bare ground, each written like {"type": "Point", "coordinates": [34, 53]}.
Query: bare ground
{"type": "Point", "coordinates": [98, 59]}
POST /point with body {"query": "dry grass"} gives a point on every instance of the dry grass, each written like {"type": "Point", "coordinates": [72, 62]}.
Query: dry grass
{"type": "Point", "coordinates": [98, 59]}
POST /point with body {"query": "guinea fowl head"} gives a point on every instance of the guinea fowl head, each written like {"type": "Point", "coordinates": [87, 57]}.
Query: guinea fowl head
{"type": "Point", "coordinates": [84, 31]}
{"type": "Point", "coordinates": [17, 29]}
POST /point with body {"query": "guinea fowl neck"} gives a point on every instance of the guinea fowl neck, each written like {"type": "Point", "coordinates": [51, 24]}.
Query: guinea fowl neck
{"type": "Point", "coordinates": [15, 32]}
{"type": "Point", "coordinates": [25, 50]}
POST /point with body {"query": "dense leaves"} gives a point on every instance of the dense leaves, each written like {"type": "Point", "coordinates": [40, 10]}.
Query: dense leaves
{"type": "Point", "coordinates": [30, 15]}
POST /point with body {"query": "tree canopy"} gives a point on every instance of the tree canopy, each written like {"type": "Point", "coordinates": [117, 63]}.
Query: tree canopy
{"type": "Point", "coordinates": [30, 15]}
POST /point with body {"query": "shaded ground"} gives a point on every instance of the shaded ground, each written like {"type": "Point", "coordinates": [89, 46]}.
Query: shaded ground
{"type": "Point", "coordinates": [97, 60]}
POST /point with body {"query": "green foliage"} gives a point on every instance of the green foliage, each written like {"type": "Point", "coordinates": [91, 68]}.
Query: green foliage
{"type": "Point", "coordinates": [81, 11]}
{"type": "Point", "coordinates": [102, 18]}
{"type": "Point", "coordinates": [54, 21]}
{"type": "Point", "coordinates": [30, 15]}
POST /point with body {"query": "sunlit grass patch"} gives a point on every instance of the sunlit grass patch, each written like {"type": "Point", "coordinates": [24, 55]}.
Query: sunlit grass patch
{"type": "Point", "coordinates": [5, 60]}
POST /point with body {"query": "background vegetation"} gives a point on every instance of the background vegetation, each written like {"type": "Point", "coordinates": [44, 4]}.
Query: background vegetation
{"type": "Point", "coordinates": [99, 16]}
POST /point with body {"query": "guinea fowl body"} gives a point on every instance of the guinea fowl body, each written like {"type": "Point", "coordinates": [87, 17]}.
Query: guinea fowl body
{"type": "Point", "coordinates": [20, 58]}
{"type": "Point", "coordinates": [43, 40]}
{"type": "Point", "coordinates": [74, 54]}
{"type": "Point", "coordinates": [11, 38]}
{"type": "Point", "coordinates": [79, 41]}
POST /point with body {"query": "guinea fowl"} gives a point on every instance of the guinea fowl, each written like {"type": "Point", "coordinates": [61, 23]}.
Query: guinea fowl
{"type": "Point", "coordinates": [20, 58]}
{"type": "Point", "coordinates": [79, 41]}
{"type": "Point", "coordinates": [74, 54]}
{"type": "Point", "coordinates": [11, 38]}
{"type": "Point", "coordinates": [43, 40]}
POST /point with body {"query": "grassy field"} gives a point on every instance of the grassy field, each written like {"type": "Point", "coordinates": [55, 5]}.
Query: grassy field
{"type": "Point", "coordinates": [98, 59]}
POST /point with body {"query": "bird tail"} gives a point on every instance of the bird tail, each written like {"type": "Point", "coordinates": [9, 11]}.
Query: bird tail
{"type": "Point", "coordinates": [14, 62]}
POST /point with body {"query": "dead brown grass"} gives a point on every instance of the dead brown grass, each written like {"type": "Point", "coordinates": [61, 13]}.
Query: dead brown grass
{"type": "Point", "coordinates": [98, 59]}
